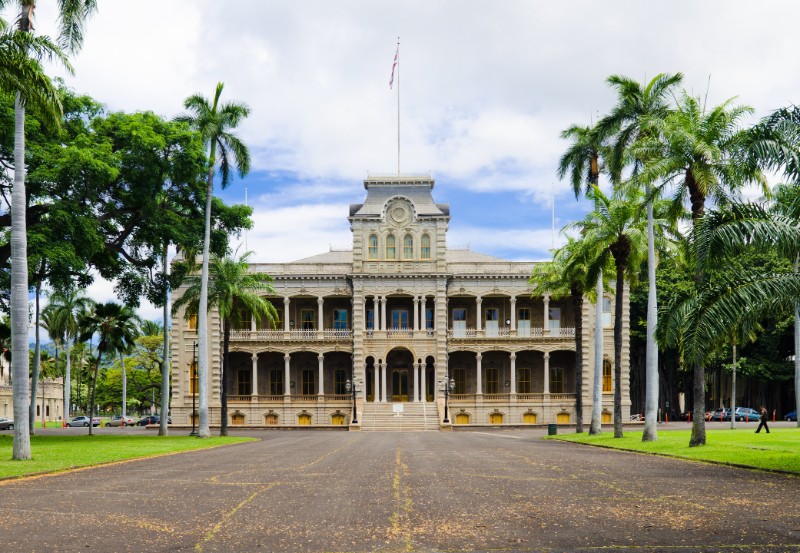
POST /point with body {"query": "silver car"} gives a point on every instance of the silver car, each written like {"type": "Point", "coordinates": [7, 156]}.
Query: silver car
{"type": "Point", "coordinates": [119, 420]}
{"type": "Point", "coordinates": [6, 424]}
{"type": "Point", "coordinates": [82, 421]}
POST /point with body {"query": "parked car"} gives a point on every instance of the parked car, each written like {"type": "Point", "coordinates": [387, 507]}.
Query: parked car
{"type": "Point", "coordinates": [119, 420]}
{"type": "Point", "coordinates": [747, 414]}
{"type": "Point", "coordinates": [6, 424]}
{"type": "Point", "coordinates": [720, 414]}
{"type": "Point", "coordinates": [791, 416]}
{"type": "Point", "coordinates": [82, 421]}
{"type": "Point", "coordinates": [152, 419]}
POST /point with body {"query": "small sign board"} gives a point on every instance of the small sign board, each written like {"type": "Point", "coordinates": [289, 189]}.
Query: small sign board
{"type": "Point", "coordinates": [397, 408]}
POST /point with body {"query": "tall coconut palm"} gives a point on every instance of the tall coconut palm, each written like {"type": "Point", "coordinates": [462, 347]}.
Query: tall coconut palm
{"type": "Point", "coordinates": [699, 154]}
{"type": "Point", "coordinates": [214, 122]}
{"type": "Point", "coordinates": [234, 290]}
{"type": "Point", "coordinates": [23, 71]}
{"type": "Point", "coordinates": [614, 230]}
{"type": "Point", "coordinates": [151, 328]}
{"type": "Point", "coordinates": [56, 332]}
{"type": "Point", "coordinates": [65, 307]}
{"type": "Point", "coordinates": [116, 327]}
{"type": "Point", "coordinates": [639, 108]}
{"type": "Point", "coordinates": [583, 162]}
{"type": "Point", "coordinates": [565, 275]}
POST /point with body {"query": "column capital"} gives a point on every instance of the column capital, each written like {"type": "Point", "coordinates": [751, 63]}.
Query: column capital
{"type": "Point", "coordinates": [546, 296]}
{"type": "Point", "coordinates": [513, 300]}
{"type": "Point", "coordinates": [286, 299]}
{"type": "Point", "coordinates": [479, 356]}
{"type": "Point", "coordinates": [287, 357]}
{"type": "Point", "coordinates": [547, 355]}
{"type": "Point", "coordinates": [320, 356]}
{"type": "Point", "coordinates": [478, 299]}
{"type": "Point", "coordinates": [320, 300]}
{"type": "Point", "coordinates": [255, 357]}
{"type": "Point", "coordinates": [513, 355]}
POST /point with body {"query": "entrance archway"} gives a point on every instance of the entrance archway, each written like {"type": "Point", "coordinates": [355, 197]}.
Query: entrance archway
{"type": "Point", "coordinates": [399, 367]}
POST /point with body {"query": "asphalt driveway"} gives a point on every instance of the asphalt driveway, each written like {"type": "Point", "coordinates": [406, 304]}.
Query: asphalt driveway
{"type": "Point", "coordinates": [298, 491]}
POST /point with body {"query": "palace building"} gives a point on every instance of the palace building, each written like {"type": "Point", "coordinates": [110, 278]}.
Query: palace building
{"type": "Point", "coordinates": [401, 315]}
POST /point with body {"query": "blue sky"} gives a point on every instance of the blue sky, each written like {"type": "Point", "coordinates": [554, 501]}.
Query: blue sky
{"type": "Point", "coordinates": [486, 89]}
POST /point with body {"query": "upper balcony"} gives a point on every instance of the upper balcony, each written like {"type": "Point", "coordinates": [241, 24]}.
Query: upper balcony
{"type": "Point", "coordinates": [265, 335]}
{"type": "Point", "coordinates": [508, 333]}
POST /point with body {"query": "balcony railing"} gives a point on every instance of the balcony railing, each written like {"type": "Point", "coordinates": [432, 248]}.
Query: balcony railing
{"type": "Point", "coordinates": [400, 333]}
{"type": "Point", "coordinates": [264, 335]}
{"type": "Point", "coordinates": [314, 398]}
{"type": "Point", "coordinates": [505, 333]}
{"type": "Point", "coordinates": [507, 397]}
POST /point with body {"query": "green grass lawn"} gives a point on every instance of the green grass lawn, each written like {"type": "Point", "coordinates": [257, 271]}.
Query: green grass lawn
{"type": "Point", "coordinates": [58, 453]}
{"type": "Point", "coordinates": [778, 450]}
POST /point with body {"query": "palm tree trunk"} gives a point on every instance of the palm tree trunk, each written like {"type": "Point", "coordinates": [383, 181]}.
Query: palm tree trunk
{"type": "Point", "coordinates": [597, 395]}
{"type": "Point", "coordinates": [223, 388]}
{"type": "Point", "coordinates": [37, 360]}
{"type": "Point", "coordinates": [124, 385]}
{"type": "Point", "coordinates": [203, 430]}
{"type": "Point", "coordinates": [577, 308]}
{"type": "Point", "coordinates": [67, 379]}
{"type": "Point", "coordinates": [19, 292]}
{"type": "Point", "coordinates": [94, 388]}
{"type": "Point", "coordinates": [620, 292]}
{"type": "Point", "coordinates": [733, 386]}
{"type": "Point", "coordinates": [699, 384]}
{"type": "Point", "coordinates": [650, 433]}
{"type": "Point", "coordinates": [163, 429]}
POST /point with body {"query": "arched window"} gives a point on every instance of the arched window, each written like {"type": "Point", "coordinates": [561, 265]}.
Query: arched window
{"type": "Point", "coordinates": [390, 247]}
{"type": "Point", "coordinates": [408, 247]}
{"type": "Point", "coordinates": [425, 250]}
{"type": "Point", "coordinates": [191, 323]}
{"type": "Point", "coordinates": [607, 376]}
{"type": "Point", "coordinates": [373, 247]}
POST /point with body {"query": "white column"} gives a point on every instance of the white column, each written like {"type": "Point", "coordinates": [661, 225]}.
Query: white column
{"type": "Point", "coordinates": [255, 374]}
{"type": "Point", "coordinates": [384, 299]}
{"type": "Point", "coordinates": [321, 359]}
{"type": "Point", "coordinates": [286, 363]}
{"type": "Point", "coordinates": [478, 359]}
{"type": "Point", "coordinates": [479, 322]}
{"type": "Point", "coordinates": [546, 373]}
{"type": "Point", "coordinates": [286, 314]}
{"type": "Point", "coordinates": [513, 316]}
{"type": "Point", "coordinates": [416, 313]}
{"type": "Point", "coordinates": [416, 381]}
{"type": "Point", "coordinates": [513, 373]}
{"type": "Point", "coordinates": [320, 326]}
{"type": "Point", "coordinates": [376, 390]}
{"type": "Point", "coordinates": [252, 322]}
{"type": "Point", "coordinates": [546, 300]}
{"type": "Point", "coordinates": [383, 382]}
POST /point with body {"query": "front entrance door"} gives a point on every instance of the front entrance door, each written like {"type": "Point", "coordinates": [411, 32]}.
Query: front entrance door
{"type": "Point", "coordinates": [399, 385]}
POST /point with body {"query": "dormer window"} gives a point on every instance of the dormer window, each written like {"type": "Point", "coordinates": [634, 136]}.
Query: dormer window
{"type": "Point", "coordinates": [390, 247]}
{"type": "Point", "coordinates": [373, 247]}
{"type": "Point", "coordinates": [425, 250]}
{"type": "Point", "coordinates": [408, 247]}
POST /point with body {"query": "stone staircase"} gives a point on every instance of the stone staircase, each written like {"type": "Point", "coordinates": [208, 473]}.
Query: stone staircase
{"type": "Point", "coordinates": [415, 417]}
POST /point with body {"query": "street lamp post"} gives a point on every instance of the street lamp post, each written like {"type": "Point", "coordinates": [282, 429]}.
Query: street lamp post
{"type": "Point", "coordinates": [350, 386]}
{"type": "Point", "coordinates": [192, 373]}
{"type": "Point", "coordinates": [449, 385]}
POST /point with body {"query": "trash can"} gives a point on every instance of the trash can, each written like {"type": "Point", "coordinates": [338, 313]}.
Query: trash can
{"type": "Point", "coordinates": [552, 429]}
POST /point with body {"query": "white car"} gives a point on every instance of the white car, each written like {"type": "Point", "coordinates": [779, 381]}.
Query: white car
{"type": "Point", "coordinates": [6, 424]}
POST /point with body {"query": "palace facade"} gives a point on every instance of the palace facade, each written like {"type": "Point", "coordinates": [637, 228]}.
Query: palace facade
{"type": "Point", "coordinates": [400, 315]}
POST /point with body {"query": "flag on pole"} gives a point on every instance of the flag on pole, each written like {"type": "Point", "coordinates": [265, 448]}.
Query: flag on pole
{"type": "Point", "coordinates": [396, 54]}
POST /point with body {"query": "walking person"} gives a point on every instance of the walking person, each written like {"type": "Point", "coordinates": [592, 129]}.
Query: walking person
{"type": "Point", "coordinates": [763, 420]}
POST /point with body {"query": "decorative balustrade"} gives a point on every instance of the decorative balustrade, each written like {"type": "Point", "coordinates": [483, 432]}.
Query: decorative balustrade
{"type": "Point", "coordinates": [269, 335]}
{"type": "Point", "coordinates": [505, 333]}
{"type": "Point", "coordinates": [399, 333]}
{"type": "Point", "coordinates": [305, 398]}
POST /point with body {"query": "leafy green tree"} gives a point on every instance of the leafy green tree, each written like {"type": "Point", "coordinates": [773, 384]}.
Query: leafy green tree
{"type": "Point", "coordinates": [234, 291]}
{"type": "Point", "coordinates": [215, 123]}
{"type": "Point", "coordinates": [639, 111]}
{"type": "Point", "coordinates": [115, 326]}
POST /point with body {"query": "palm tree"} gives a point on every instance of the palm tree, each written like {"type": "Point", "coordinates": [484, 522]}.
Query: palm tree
{"type": "Point", "coordinates": [56, 332]}
{"type": "Point", "coordinates": [582, 160]}
{"type": "Point", "coordinates": [151, 328]}
{"type": "Point", "coordinates": [700, 154]}
{"type": "Point", "coordinates": [614, 230]}
{"type": "Point", "coordinates": [638, 108]}
{"type": "Point", "coordinates": [233, 292]}
{"type": "Point", "coordinates": [115, 326]}
{"type": "Point", "coordinates": [22, 73]}
{"type": "Point", "coordinates": [565, 275]}
{"type": "Point", "coordinates": [65, 307]}
{"type": "Point", "coordinates": [214, 122]}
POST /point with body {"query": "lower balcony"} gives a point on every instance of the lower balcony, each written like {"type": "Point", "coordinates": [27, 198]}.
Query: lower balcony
{"type": "Point", "coordinates": [310, 398]}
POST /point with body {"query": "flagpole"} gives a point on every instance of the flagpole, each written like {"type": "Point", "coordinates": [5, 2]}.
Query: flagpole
{"type": "Point", "coordinates": [398, 106]}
